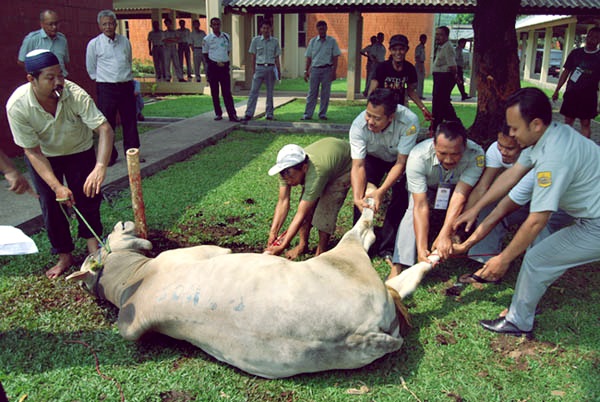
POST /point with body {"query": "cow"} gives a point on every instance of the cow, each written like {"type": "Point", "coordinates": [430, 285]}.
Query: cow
{"type": "Point", "coordinates": [264, 314]}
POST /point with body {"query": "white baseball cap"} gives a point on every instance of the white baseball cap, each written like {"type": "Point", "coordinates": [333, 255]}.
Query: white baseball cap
{"type": "Point", "coordinates": [289, 155]}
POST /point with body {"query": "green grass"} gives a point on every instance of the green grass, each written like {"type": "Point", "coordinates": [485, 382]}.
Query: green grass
{"type": "Point", "coordinates": [446, 357]}
{"type": "Point", "coordinates": [181, 106]}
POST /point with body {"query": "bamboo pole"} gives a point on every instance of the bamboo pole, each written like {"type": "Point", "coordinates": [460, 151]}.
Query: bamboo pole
{"type": "Point", "coordinates": [137, 198]}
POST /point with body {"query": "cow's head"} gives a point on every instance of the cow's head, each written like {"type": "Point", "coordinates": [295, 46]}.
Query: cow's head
{"type": "Point", "coordinates": [122, 238]}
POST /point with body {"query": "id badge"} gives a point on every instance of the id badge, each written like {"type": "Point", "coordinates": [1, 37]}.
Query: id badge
{"type": "Point", "coordinates": [576, 74]}
{"type": "Point", "coordinates": [442, 197]}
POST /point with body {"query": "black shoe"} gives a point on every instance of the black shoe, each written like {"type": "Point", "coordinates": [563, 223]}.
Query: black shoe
{"type": "Point", "coordinates": [234, 119]}
{"type": "Point", "coordinates": [219, 118]}
{"type": "Point", "coordinates": [501, 326]}
{"type": "Point", "coordinates": [466, 97]}
{"type": "Point", "coordinates": [140, 117]}
{"type": "Point", "coordinates": [182, 80]}
{"type": "Point", "coordinates": [305, 118]}
{"type": "Point", "coordinates": [246, 118]}
{"type": "Point", "coordinates": [323, 117]}
{"type": "Point", "coordinates": [270, 118]}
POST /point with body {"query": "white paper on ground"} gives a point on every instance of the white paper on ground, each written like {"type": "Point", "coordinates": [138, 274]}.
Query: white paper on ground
{"type": "Point", "coordinates": [14, 242]}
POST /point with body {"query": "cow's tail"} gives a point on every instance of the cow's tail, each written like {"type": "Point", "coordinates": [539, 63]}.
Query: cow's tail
{"type": "Point", "coordinates": [401, 311]}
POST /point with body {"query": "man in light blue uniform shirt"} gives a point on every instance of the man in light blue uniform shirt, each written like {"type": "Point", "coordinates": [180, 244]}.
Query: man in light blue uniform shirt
{"type": "Point", "coordinates": [322, 56]}
{"type": "Point", "coordinates": [47, 38]}
{"type": "Point", "coordinates": [264, 54]}
{"type": "Point", "coordinates": [561, 181]}
{"type": "Point", "coordinates": [440, 174]}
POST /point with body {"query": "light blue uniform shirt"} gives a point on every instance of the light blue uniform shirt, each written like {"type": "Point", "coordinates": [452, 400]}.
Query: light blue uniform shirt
{"type": "Point", "coordinates": [567, 173]}
{"type": "Point", "coordinates": [322, 51]}
{"type": "Point", "coordinates": [398, 138]}
{"type": "Point", "coordinates": [217, 47]}
{"type": "Point", "coordinates": [266, 50]}
{"type": "Point", "coordinates": [424, 171]}
{"type": "Point", "coordinates": [40, 40]}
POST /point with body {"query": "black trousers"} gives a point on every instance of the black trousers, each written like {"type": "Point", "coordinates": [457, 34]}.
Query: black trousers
{"type": "Point", "coordinates": [75, 168]}
{"type": "Point", "coordinates": [219, 76]}
{"type": "Point", "coordinates": [441, 105]}
{"type": "Point", "coordinates": [118, 98]}
{"type": "Point", "coordinates": [376, 169]}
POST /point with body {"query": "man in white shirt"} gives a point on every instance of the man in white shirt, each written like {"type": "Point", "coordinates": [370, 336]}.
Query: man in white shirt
{"type": "Point", "coordinates": [183, 48]}
{"type": "Point", "coordinates": [108, 61]}
{"type": "Point", "coordinates": [196, 38]}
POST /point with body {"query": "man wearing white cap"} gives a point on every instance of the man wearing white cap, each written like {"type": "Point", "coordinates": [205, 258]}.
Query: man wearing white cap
{"type": "Point", "coordinates": [323, 171]}
{"type": "Point", "coordinates": [53, 120]}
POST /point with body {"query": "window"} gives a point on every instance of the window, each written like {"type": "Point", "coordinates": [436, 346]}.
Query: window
{"type": "Point", "coordinates": [301, 30]}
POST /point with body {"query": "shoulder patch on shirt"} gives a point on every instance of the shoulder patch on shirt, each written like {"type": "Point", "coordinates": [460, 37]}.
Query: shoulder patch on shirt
{"type": "Point", "coordinates": [480, 160]}
{"type": "Point", "coordinates": [544, 179]}
{"type": "Point", "coordinates": [412, 130]}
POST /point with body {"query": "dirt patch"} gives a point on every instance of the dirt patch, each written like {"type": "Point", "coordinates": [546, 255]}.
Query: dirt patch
{"type": "Point", "coordinates": [176, 396]}
{"type": "Point", "coordinates": [521, 350]}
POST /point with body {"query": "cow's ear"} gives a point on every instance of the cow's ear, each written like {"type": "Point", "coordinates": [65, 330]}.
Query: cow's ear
{"type": "Point", "coordinates": [78, 276]}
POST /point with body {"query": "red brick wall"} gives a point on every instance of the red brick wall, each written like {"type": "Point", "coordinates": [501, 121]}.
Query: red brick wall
{"type": "Point", "coordinates": [411, 25]}
{"type": "Point", "coordinates": [21, 17]}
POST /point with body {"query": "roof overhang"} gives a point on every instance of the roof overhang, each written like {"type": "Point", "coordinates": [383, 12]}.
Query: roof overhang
{"type": "Point", "coordinates": [188, 6]}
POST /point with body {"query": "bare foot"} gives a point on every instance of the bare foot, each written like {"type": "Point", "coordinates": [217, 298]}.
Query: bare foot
{"type": "Point", "coordinates": [394, 271]}
{"type": "Point", "coordinates": [295, 252]}
{"type": "Point", "coordinates": [65, 260]}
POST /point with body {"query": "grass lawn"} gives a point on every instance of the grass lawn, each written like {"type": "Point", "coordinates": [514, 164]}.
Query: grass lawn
{"type": "Point", "coordinates": [181, 106]}
{"type": "Point", "coordinates": [446, 357]}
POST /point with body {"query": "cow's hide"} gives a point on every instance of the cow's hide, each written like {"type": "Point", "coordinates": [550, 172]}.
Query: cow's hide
{"type": "Point", "coordinates": [261, 313]}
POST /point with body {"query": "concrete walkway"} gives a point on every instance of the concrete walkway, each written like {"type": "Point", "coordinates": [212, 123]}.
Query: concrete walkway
{"type": "Point", "coordinates": [173, 143]}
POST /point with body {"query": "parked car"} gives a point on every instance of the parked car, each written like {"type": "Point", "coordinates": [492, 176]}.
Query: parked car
{"type": "Point", "coordinates": [554, 64]}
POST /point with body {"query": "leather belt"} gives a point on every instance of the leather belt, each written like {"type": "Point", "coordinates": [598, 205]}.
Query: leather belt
{"type": "Point", "coordinates": [265, 64]}
{"type": "Point", "coordinates": [325, 66]}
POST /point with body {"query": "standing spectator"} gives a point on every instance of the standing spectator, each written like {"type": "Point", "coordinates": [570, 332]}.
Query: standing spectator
{"type": "Point", "coordinates": [444, 78]}
{"type": "Point", "coordinates": [381, 138]}
{"type": "Point", "coordinates": [155, 48]}
{"type": "Point", "coordinates": [47, 38]}
{"type": "Point", "coordinates": [369, 53]}
{"type": "Point", "coordinates": [183, 48]}
{"type": "Point", "coordinates": [582, 69]}
{"type": "Point", "coordinates": [460, 63]}
{"type": "Point", "coordinates": [420, 57]}
{"type": "Point", "coordinates": [53, 120]}
{"type": "Point", "coordinates": [197, 37]}
{"type": "Point", "coordinates": [440, 174]}
{"type": "Point", "coordinates": [108, 62]}
{"type": "Point", "coordinates": [323, 171]}
{"type": "Point", "coordinates": [16, 181]}
{"type": "Point", "coordinates": [139, 100]}
{"type": "Point", "coordinates": [322, 56]}
{"type": "Point", "coordinates": [170, 43]}
{"type": "Point", "coordinates": [216, 48]}
{"type": "Point", "coordinates": [264, 55]}
{"type": "Point", "coordinates": [398, 75]}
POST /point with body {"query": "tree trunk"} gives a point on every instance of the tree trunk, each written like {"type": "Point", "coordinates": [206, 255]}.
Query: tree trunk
{"type": "Point", "coordinates": [496, 62]}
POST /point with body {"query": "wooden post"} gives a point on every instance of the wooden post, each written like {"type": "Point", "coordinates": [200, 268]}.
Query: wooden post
{"type": "Point", "coordinates": [137, 198]}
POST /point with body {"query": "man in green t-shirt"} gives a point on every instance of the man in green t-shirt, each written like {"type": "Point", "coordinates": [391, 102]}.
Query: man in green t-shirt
{"type": "Point", "coordinates": [323, 171]}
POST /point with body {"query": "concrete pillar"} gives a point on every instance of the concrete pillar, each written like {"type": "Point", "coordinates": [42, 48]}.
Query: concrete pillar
{"type": "Point", "coordinates": [213, 10]}
{"type": "Point", "coordinates": [156, 15]}
{"type": "Point", "coordinates": [569, 41]}
{"type": "Point", "coordinates": [355, 23]}
{"type": "Point", "coordinates": [292, 59]}
{"type": "Point", "coordinates": [523, 44]}
{"type": "Point", "coordinates": [546, 54]}
{"type": "Point", "coordinates": [530, 54]}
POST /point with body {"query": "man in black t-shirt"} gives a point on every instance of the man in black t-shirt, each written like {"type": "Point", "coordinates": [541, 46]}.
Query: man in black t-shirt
{"type": "Point", "coordinates": [582, 69]}
{"type": "Point", "coordinates": [399, 75]}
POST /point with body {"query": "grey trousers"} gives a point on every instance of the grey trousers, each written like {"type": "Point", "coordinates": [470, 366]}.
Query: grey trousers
{"type": "Point", "coordinates": [262, 74]}
{"type": "Point", "coordinates": [322, 77]}
{"type": "Point", "coordinates": [199, 60]}
{"type": "Point", "coordinates": [547, 261]}
{"type": "Point", "coordinates": [171, 54]}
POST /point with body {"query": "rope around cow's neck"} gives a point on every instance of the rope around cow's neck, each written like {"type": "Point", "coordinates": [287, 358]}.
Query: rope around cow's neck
{"type": "Point", "coordinates": [60, 202]}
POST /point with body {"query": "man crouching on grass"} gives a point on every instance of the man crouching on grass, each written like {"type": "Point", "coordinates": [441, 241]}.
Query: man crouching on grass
{"type": "Point", "coordinates": [323, 171]}
{"type": "Point", "coordinates": [53, 120]}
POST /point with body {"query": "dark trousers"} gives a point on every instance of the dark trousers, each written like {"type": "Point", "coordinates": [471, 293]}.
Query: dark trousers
{"type": "Point", "coordinates": [376, 169]}
{"type": "Point", "coordinates": [116, 98]}
{"type": "Point", "coordinates": [441, 105]}
{"type": "Point", "coordinates": [460, 82]}
{"type": "Point", "coordinates": [75, 169]}
{"type": "Point", "coordinates": [220, 76]}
